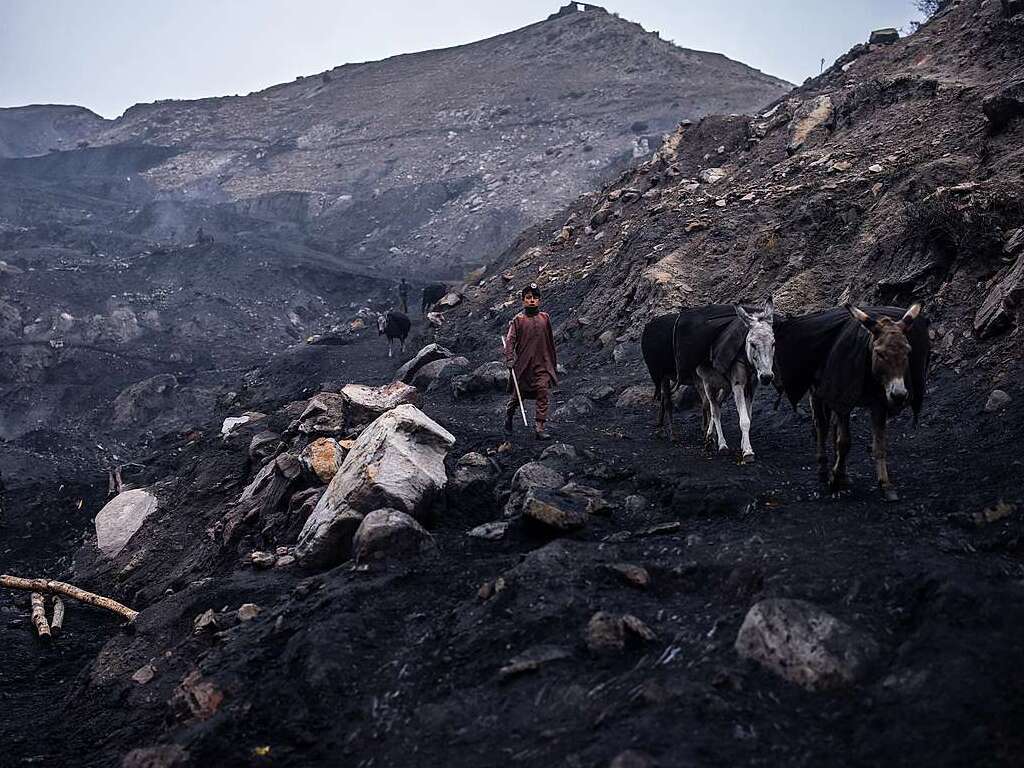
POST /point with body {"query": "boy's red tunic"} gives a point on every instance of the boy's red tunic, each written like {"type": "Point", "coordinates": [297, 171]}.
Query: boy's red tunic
{"type": "Point", "coordinates": [530, 348]}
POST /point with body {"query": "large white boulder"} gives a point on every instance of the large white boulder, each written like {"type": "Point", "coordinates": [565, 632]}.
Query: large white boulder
{"type": "Point", "coordinates": [397, 462]}
{"type": "Point", "coordinates": [121, 518]}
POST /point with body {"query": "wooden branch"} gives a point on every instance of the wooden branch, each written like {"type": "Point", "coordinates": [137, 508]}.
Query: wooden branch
{"type": "Point", "coordinates": [57, 624]}
{"type": "Point", "coordinates": [68, 590]}
{"type": "Point", "coordinates": [39, 616]}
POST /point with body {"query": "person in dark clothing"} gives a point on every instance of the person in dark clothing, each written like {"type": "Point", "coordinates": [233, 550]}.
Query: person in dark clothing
{"type": "Point", "coordinates": [403, 295]}
{"type": "Point", "coordinates": [530, 353]}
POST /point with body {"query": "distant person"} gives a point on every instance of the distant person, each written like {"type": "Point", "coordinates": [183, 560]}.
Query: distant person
{"type": "Point", "coordinates": [530, 353]}
{"type": "Point", "coordinates": [403, 295]}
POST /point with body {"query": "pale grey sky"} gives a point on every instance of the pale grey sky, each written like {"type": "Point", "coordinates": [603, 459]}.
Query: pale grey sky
{"type": "Point", "coordinates": [110, 54]}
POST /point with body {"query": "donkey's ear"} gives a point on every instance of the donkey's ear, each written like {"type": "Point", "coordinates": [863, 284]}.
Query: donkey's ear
{"type": "Point", "coordinates": [744, 315]}
{"type": "Point", "coordinates": [768, 314]}
{"type": "Point", "coordinates": [862, 317]}
{"type": "Point", "coordinates": [911, 315]}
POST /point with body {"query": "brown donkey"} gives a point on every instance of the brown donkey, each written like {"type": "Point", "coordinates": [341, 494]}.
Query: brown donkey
{"type": "Point", "coordinates": [851, 358]}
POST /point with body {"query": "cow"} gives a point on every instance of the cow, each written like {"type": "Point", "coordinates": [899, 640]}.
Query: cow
{"type": "Point", "coordinates": [722, 347]}
{"type": "Point", "coordinates": [656, 347]}
{"type": "Point", "coordinates": [394, 325]}
{"type": "Point", "coordinates": [845, 358]}
{"type": "Point", "coordinates": [432, 294]}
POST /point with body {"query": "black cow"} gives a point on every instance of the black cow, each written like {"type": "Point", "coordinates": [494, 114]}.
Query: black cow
{"type": "Point", "coordinates": [432, 294]}
{"type": "Point", "coordinates": [394, 325]}
{"type": "Point", "coordinates": [656, 346]}
{"type": "Point", "coordinates": [722, 347]}
{"type": "Point", "coordinates": [849, 358]}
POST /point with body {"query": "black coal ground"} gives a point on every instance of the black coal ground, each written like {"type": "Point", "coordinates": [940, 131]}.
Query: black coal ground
{"type": "Point", "coordinates": [400, 666]}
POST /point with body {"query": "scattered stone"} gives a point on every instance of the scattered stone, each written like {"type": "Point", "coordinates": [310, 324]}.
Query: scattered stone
{"type": "Point", "coordinates": [601, 392]}
{"type": "Point", "coordinates": [205, 621]}
{"type": "Point", "coordinates": [248, 612]}
{"type": "Point", "coordinates": [397, 463]}
{"type": "Point", "coordinates": [998, 310]}
{"type": "Point", "coordinates": [998, 511]}
{"type": "Point", "coordinates": [323, 458]}
{"type": "Point", "coordinates": [636, 396]}
{"type": "Point", "coordinates": [532, 660]}
{"type": "Point", "coordinates": [199, 697]}
{"type": "Point", "coordinates": [885, 36]}
{"type": "Point", "coordinates": [326, 413]}
{"type": "Point", "coordinates": [263, 446]}
{"type": "Point", "coordinates": [634, 504]}
{"type": "Point", "coordinates": [121, 518]}
{"type": "Point", "coordinates": [803, 644]}
{"type": "Point", "coordinates": [474, 478]}
{"type": "Point", "coordinates": [712, 175]}
{"type": "Point", "coordinates": [812, 119]}
{"type": "Point", "coordinates": [997, 400]}
{"type": "Point", "coordinates": [284, 561]}
{"type": "Point", "coordinates": [390, 534]}
{"type": "Point", "coordinates": [627, 351]}
{"type": "Point", "coordinates": [489, 531]}
{"type": "Point", "coordinates": [144, 674]}
{"type": "Point", "coordinates": [144, 400]}
{"type": "Point", "coordinates": [163, 756]}
{"type": "Point", "coordinates": [554, 510]}
{"type": "Point", "coordinates": [448, 301]}
{"type": "Point", "coordinates": [876, 168]}
{"type": "Point", "coordinates": [575, 406]}
{"type": "Point", "coordinates": [433, 375]}
{"type": "Point", "coordinates": [367, 403]}
{"type": "Point", "coordinates": [533, 474]}
{"type": "Point", "coordinates": [234, 422]}
{"type": "Point", "coordinates": [607, 632]}
{"type": "Point", "coordinates": [1004, 107]}
{"type": "Point", "coordinates": [262, 559]}
{"type": "Point", "coordinates": [489, 377]}
{"type": "Point", "coordinates": [560, 452]}
{"type": "Point", "coordinates": [429, 354]}
{"type": "Point", "coordinates": [606, 338]}
{"type": "Point", "coordinates": [635, 575]}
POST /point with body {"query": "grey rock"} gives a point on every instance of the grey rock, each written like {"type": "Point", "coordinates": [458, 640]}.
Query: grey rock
{"type": "Point", "coordinates": [364, 404]}
{"type": "Point", "coordinates": [121, 518]}
{"type": "Point", "coordinates": [803, 644]}
{"type": "Point", "coordinates": [432, 375]}
{"type": "Point", "coordinates": [397, 462]}
{"type": "Point", "coordinates": [580, 405]}
{"type": "Point", "coordinates": [162, 756]}
{"type": "Point", "coordinates": [533, 474]}
{"type": "Point", "coordinates": [559, 453]}
{"type": "Point", "coordinates": [886, 36]}
{"type": "Point", "coordinates": [489, 377]}
{"type": "Point", "coordinates": [998, 310]}
{"type": "Point", "coordinates": [490, 531]}
{"type": "Point", "coordinates": [429, 354]}
{"type": "Point", "coordinates": [553, 510]}
{"type": "Point", "coordinates": [264, 445]}
{"type": "Point", "coordinates": [262, 559]}
{"type": "Point", "coordinates": [997, 400]}
{"type": "Point", "coordinates": [601, 392]}
{"type": "Point", "coordinates": [390, 534]}
{"type": "Point", "coordinates": [326, 413]}
{"type": "Point", "coordinates": [625, 352]}
{"type": "Point", "coordinates": [634, 503]}
{"type": "Point", "coordinates": [473, 479]}
{"type": "Point", "coordinates": [145, 399]}
{"type": "Point", "coordinates": [636, 396]}
{"type": "Point", "coordinates": [607, 632]}
{"type": "Point", "coordinates": [248, 612]}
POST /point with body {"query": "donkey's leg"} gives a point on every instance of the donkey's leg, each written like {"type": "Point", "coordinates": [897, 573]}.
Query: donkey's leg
{"type": "Point", "coordinates": [820, 422]}
{"type": "Point", "coordinates": [666, 407]}
{"type": "Point", "coordinates": [739, 393]}
{"type": "Point", "coordinates": [839, 478]}
{"type": "Point", "coordinates": [715, 402]}
{"type": "Point", "coordinates": [878, 448]}
{"type": "Point", "coordinates": [659, 393]}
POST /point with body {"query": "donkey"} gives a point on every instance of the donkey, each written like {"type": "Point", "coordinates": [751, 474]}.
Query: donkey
{"type": "Point", "coordinates": [723, 347]}
{"type": "Point", "coordinates": [656, 347]}
{"type": "Point", "coordinates": [852, 358]}
{"type": "Point", "coordinates": [395, 325]}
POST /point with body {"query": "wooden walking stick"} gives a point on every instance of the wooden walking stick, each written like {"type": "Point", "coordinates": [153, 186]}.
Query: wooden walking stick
{"type": "Point", "coordinates": [57, 623]}
{"type": "Point", "coordinates": [39, 616]}
{"type": "Point", "coordinates": [515, 383]}
{"type": "Point", "coordinates": [45, 586]}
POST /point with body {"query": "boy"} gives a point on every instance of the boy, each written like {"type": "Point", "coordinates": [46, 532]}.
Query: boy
{"type": "Point", "coordinates": [530, 352]}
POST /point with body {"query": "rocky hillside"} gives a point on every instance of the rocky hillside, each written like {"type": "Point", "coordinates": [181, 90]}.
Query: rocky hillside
{"type": "Point", "coordinates": [42, 128]}
{"type": "Point", "coordinates": [894, 176]}
{"type": "Point", "coordinates": [431, 161]}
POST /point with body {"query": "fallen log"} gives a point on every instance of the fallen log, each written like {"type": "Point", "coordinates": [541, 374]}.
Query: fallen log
{"type": "Point", "coordinates": [57, 623]}
{"type": "Point", "coordinates": [39, 616]}
{"type": "Point", "coordinates": [68, 590]}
